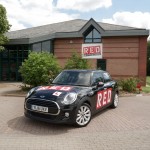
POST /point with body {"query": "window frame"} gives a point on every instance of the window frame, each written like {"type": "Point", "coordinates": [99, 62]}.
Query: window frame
{"type": "Point", "coordinates": [41, 43]}
{"type": "Point", "coordinates": [93, 38]}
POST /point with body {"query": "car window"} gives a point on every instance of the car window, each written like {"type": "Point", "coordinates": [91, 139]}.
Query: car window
{"type": "Point", "coordinates": [97, 77]}
{"type": "Point", "coordinates": [107, 77]}
{"type": "Point", "coordinates": [73, 78]}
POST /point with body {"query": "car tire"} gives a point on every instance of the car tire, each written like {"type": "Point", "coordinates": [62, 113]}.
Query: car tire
{"type": "Point", "coordinates": [83, 115]}
{"type": "Point", "coordinates": [115, 101]}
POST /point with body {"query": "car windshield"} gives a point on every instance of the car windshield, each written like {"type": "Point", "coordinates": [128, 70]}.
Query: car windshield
{"type": "Point", "coordinates": [73, 78]}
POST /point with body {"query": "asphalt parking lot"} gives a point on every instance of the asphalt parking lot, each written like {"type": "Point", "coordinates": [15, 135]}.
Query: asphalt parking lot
{"type": "Point", "coordinates": [124, 128]}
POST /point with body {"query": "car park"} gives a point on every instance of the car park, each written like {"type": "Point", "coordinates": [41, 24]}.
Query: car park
{"type": "Point", "coordinates": [73, 97]}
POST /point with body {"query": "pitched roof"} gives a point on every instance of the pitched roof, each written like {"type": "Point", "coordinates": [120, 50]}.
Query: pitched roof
{"type": "Point", "coordinates": [69, 29]}
{"type": "Point", "coordinates": [67, 26]}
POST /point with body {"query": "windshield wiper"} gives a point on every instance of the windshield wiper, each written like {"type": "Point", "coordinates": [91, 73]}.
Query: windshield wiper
{"type": "Point", "coordinates": [80, 85]}
{"type": "Point", "coordinates": [58, 83]}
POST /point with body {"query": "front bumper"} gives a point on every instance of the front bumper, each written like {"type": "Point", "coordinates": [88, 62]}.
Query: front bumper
{"type": "Point", "coordinates": [59, 118]}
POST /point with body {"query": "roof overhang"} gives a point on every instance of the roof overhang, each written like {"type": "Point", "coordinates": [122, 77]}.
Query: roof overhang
{"type": "Point", "coordinates": [139, 32]}
{"type": "Point", "coordinates": [80, 33]}
{"type": "Point", "coordinates": [18, 41]}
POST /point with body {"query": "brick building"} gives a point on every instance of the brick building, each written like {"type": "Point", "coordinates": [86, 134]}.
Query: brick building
{"type": "Point", "coordinates": [124, 49]}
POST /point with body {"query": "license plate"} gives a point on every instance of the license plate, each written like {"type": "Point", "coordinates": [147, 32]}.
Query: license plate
{"type": "Point", "coordinates": [39, 108]}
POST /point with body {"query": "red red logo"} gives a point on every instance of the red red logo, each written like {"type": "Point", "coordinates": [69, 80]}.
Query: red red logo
{"type": "Point", "coordinates": [59, 88]}
{"type": "Point", "coordinates": [103, 98]}
{"type": "Point", "coordinates": [92, 50]}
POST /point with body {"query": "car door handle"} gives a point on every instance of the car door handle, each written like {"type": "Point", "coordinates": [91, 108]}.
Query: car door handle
{"type": "Point", "coordinates": [105, 88]}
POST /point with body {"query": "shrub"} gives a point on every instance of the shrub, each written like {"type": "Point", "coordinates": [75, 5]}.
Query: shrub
{"type": "Point", "coordinates": [76, 62]}
{"type": "Point", "coordinates": [39, 68]}
{"type": "Point", "coordinates": [129, 84]}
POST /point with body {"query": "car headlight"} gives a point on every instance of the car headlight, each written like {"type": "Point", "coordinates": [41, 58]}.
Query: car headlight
{"type": "Point", "coordinates": [30, 92]}
{"type": "Point", "coordinates": [69, 98]}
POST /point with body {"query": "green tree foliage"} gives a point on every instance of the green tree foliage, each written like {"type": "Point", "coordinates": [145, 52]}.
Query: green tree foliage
{"type": "Point", "coordinates": [39, 69]}
{"type": "Point", "coordinates": [148, 58]}
{"type": "Point", "coordinates": [76, 62]}
{"type": "Point", "coordinates": [4, 27]}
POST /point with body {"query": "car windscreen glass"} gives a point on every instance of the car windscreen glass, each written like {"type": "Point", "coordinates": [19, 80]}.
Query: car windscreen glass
{"type": "Point", "coordinates": [73, 78]}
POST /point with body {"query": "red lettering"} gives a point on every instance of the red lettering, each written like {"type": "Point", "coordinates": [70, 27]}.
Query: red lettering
{"type": "Point", "coordinates": [99, 99]}
{"type": "Point", "coordinates": [92, 50]}
{"type": "Point", "coordinates": [109, 96]}
{"type": "Point", "coordinates": [53, 87]}
{"type": "Point", "coordinates": [61, 88]}
{"type": "Point", "coordinates": [65, 88]}
{"type": "Point", "coordinates": [98, 49]}
{"type": "Point", "coordinates": [103, 98]}
{"type": "Point", "coordinates": [85, 50]}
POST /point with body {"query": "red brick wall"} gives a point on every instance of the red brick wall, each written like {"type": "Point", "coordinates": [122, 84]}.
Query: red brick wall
{"type": "Point", "coordinates": [63, 49]}
{"type": "Point", "coordinates": [142, 58]}
{"type": "Point", "coordinates": [122, 55]}
{"type": "Point", "coordinates": [126, 56]}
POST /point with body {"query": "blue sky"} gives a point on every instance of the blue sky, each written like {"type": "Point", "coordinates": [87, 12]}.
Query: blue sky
{"type": "Point", "coordinates": [117, 6]}
{"type": "Point", "coordinates": [30, 13]}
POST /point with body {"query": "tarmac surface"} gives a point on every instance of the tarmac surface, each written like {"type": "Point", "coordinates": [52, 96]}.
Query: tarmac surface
{"type": "Point", "coordinates": [124, 128]}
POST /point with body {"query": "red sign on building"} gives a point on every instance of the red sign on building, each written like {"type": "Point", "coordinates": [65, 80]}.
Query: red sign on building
{"type": "Point", "coordinates": [92, 51]}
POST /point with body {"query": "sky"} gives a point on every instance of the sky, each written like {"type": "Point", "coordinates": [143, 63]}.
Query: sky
{"type": "Point", "coordinates": [23, 14]}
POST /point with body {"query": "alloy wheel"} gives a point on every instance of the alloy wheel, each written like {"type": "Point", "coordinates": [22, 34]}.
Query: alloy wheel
{"type": "Point", "coordinates": [83, 115]}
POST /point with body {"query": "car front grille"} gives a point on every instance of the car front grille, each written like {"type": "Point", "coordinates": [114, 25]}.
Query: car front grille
{"type": "Point", "coordinates": [53, 107]}
{"type": "Point", "coordinates": [44, 116]}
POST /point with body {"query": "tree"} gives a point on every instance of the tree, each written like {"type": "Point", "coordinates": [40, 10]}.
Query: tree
{"type": "Point", "coordinates": [39, 68]}
{"type": "Point", "coordinates": [148, 58]}
{"type": "Point", "coordinates": [76, 62]}
{"type": "Point", "coordinates": [4, 27]}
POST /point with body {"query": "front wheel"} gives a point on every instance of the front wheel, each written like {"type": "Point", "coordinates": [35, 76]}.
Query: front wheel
{"type": "Point", "coordinates": [115, 101]}
{"type": "Point", "coordinates": [83, 115]}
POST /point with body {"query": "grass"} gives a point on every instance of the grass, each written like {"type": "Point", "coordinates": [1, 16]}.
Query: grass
{"type": "Point", "coordinates": [148, 80]}
{"type": "Point", "coordinates": [146, 89]}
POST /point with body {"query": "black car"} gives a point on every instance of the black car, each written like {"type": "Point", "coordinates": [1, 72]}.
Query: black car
{"type": "Point", "coordinates": [74, 97]}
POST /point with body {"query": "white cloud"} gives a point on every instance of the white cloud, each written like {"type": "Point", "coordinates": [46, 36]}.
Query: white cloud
{"type": "Point", "coordinates": [16, 25]}
{"type": "Point", "coordinates": [27, 13]}
{"type": "Point", "coordinates": [83, 5]}
{"type": "Point", "coordinates": [133, 19]}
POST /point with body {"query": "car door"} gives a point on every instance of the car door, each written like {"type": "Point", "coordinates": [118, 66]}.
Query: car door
{"type": "Point", "coordinates": [102, 97]}
{"type": "Point", "coordinates": [108, 88]}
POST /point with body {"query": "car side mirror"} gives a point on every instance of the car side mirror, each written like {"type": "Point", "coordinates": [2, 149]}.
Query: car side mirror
{"type": "Point", "coordinates": [100, 84]}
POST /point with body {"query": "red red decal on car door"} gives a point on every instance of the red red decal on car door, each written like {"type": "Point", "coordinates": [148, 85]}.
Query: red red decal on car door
{"type": "Point", "coordinates": [103, 98]}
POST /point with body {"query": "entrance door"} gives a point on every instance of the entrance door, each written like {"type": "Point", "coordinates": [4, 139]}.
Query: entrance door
{"type": "Point", "coordinates": [101, 64]}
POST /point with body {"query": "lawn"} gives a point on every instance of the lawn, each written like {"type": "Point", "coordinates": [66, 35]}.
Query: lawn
{"type": "Point", "coordinates": [146, 89]}
{"type": "Point", "coordinates": [148, 80]}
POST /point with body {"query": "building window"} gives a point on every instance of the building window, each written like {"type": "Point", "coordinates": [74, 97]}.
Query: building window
{"type": "Point", "coordinates": [42, 46]}
{"type": "Point", "coordinates": [92, 36]}
{"type": "Point", "coordinates": [36, 47]}
{"type": "Point", "coordinates": [10, 61]}
{"type": "Point", "coordinates": [46, 46]}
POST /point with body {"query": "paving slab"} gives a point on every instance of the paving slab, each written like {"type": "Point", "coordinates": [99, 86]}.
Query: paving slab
{"type": "Point", "coordinates": [124, 128]}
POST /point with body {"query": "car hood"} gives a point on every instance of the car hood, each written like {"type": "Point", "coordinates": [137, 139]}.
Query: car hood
{"type": "Point", "coordinates": [56, 92]}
